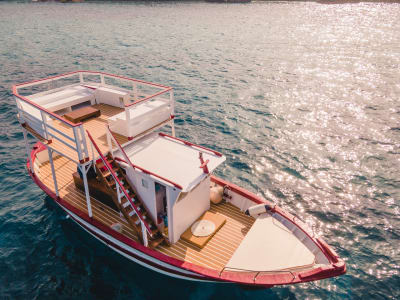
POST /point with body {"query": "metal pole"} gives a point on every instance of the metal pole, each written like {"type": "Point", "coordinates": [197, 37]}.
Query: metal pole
{"type": "Point", "coordinates": [119, 193]}
{"type": "Point", "coordinates": [135, 94]}
{"type": "Point", "coordinates": [127, 118]}
{"type": "Point", "coordinates": [31, 168]}
{"type": "Point", "coordinates": [44, 120]}
{"type": "Point", "coordinates": [109, 143]}
{"type": "Point", "coordinates": [144, 234]}
{"type": "Point", "coordinates": [53, 171]}
{"type": "Point", "coordinates": [93, 158]}
{"type": "Point", "coordinates": [83, 141]}
{"type": "Point", "coordinates": [173, 127]}
{"type": "Point", "coordinates": [77, 143]}
{"type": "Point", "coordinates": [85, 183]}
{"type": "Point", "coordinates": [172, 100]}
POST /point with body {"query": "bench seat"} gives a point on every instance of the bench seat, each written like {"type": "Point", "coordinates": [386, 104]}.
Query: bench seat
{"type": "Point", "coordinates": [141, 117]}
{"type": "Point", "coordinates": [68, 102]}
{"type": "Point", "coordinates": [62, 94]}
{"type": "Point", "coordinates": [140, 110]}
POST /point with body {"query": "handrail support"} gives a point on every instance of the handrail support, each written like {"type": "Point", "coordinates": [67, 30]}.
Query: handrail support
{"type": "Point", "coordinates": [203, 164]}
{"type": "Point", "coordinates": [84, 169]}
{"type": "Point", "coordinates": [31, 167]}
{"type": "Point", "coordinates": [118, 182]}
{"type": "Point", "coordinates": [144, 234]}
{"type": "Point", "coordinates": [53, 171]}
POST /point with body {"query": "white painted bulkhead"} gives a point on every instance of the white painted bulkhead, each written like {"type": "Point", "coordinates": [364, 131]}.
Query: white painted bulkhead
{"type": "Point", "coordinates": [182, 211]}
{"type": "Point", "coordinates": [189, 207]}
{"type": "Point", "coordinates": [145, 188]}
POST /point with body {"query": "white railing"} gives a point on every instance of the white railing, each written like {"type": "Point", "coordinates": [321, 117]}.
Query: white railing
{"type": "Point", "coordinates": [43, 126]}
{"type": "Point", "coordinates": [40, 118]}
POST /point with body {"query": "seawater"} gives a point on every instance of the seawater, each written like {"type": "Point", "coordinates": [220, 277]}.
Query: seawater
{"type": "Point", "coordinates": [302, 98]}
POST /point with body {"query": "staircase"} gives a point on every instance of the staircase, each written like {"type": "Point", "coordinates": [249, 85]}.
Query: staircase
{"type": "Point", "coordinates": [124, 205]}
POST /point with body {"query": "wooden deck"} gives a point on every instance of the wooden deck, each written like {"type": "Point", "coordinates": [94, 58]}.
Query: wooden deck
{"type": "Point", "coordinates": [215, 254]}
{"type": "Point", "coordinates": [96, 127]}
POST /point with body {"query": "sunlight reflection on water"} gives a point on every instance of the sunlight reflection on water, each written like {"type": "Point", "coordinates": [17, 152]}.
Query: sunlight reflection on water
{"type": "Point", "coordinates": [302, 98]}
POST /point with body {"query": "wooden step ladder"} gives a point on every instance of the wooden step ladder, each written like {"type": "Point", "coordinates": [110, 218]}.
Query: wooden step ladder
{"type": "Point", "coordinates": [126, 199]}
{"type": "Point", "coordinates": [124, 205]}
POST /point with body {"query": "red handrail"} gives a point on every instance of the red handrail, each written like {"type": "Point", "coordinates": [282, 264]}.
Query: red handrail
{"type": "Point", "coordinates": [16, 94]}
{"type": "Point", "coordinates": [47, 78]}
{"type": "Point", "coordinates": [94, 73]}
{"type": "Point", "coordinates": [189, 143]}
{"type": "Point", "coordinates": [137, 167]}
{"type": "Point", "coordinates": [119, 183]}
{"type": "Point", "coordinates": [149, 97]}
{"type": "Point", "coordinates": [46, 111]}
{"type": "Point", "coordinates": [126, 78]}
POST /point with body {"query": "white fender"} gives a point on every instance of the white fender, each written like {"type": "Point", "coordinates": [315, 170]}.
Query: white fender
{"type": "Point", "coordinates": [258, 209]}
{"type": "Point", "coordinates": [216, 193]}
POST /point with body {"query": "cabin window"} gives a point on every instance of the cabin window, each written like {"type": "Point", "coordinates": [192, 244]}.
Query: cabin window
{"type": "Point", "coordinates": [145, 184]}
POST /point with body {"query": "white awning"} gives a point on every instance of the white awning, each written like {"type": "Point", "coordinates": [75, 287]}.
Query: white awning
{"type": "Point", "coordinates": [172, 159]}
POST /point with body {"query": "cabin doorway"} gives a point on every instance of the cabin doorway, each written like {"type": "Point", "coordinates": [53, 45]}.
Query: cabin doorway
{"type": "Point", "coordinates": [161, 204]}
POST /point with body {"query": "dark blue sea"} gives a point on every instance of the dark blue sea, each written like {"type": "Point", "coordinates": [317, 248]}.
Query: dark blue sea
{"type": "Point", "coordinates": [303, 98]}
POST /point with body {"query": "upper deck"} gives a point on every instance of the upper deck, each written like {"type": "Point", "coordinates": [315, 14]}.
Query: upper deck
{"type": "Point", "coordinates": [131, 108]}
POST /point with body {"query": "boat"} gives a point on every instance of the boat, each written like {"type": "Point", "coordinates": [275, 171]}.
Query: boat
{"type": "Point", "coordinates": [229, 1]}
{"type": "Point", "coordinates": [106, 151]}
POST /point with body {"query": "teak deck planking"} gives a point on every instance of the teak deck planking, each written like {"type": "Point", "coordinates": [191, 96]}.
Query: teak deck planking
{"type": "Point", "coordinates": [215, 254]}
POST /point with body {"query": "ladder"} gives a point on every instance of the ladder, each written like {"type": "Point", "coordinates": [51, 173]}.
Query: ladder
{"type": "Point", "coordinates": [126, 199]}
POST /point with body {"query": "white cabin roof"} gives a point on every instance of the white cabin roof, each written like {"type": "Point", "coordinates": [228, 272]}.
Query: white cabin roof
{"type": "Point", "coordinates": [171, 159]}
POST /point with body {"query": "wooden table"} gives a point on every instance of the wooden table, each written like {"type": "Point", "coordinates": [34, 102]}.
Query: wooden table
{"type": "Point", "coordinates": [81, 114]}
{"type": "Point", "coordinates": [198, 241]}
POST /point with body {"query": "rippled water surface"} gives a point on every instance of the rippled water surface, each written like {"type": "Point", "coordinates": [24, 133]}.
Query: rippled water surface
{"type": "Point", "coordinates": [302, 98]}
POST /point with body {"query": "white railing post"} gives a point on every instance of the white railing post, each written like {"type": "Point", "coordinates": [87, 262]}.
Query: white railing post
{"type": "Point", "coordinates": [85, 183]}
{"type": "Point", "coordinates": [172, 101]}
{"type": "Point", "coordinates": [44, 120]}
{"type": "Point", "coordinates": [53, 171]}
{"type": "Point", "coordinates": [119, 193]}
{"type": "Point", "coordinates": [31, 167]}
{"type": "Point", "coordinates": [135, 92]}
{"type": "Point", "coordinates": [109, 142]}
{"type": "Point", "coordinates": [128, 117]}
{"type": "Point", "coordinates": [93, 158]}
{"type": "Point", "coordinates": [173, 127]}
{"type": "Point", "coordinates": [144, 235]}
{"type": "Point", "coordinates": [102, 79]}
{"type": "Point", "coordinates": [20, 110]}
{"type": "Point", "coordinates": [81, 77]}
{"type": "Point", "coordinates": [77, 143]}
{"type": "Point", "coordinates": [83, 141]}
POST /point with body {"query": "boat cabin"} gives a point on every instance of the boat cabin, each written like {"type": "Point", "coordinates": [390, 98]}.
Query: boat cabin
{"type": "Point", "coordinates": [180, 193]}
